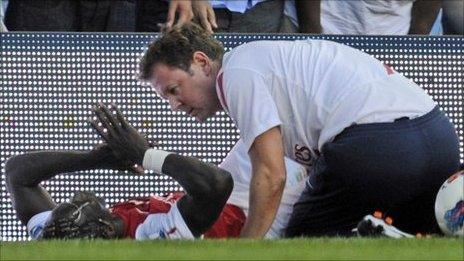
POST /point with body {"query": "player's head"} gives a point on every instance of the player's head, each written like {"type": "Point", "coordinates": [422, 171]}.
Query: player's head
{"type": "Point", "coordinates": [84, 217]}
{"type": "Point", "coordinates": [182, 66]}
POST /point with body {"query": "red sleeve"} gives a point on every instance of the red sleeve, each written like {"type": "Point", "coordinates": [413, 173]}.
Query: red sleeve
{"type": "Point", "coordinates": [229, 223]}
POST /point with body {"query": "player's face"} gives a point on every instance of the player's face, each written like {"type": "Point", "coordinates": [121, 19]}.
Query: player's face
{"type": "Point", "coordinates": [192, 92]}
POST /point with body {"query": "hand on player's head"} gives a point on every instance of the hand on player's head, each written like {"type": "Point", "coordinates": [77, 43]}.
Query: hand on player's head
{"type": "Point", "coordinates": [124, 140]}
{"type": "Point", "coordinates": [184, 12]}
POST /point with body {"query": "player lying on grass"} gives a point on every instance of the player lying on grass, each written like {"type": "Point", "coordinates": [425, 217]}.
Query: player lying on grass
{"type": "Point", "coordinates": [130, 146]}
{"type": "Point", "coordinates": [202, 209]}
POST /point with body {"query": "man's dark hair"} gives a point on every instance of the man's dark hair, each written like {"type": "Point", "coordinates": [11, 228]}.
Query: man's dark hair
{"type": "Point", "coordinates": [175, 48]}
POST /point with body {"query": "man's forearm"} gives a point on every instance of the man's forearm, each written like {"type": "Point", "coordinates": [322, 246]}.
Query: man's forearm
{"type": "Point", "coordinates": [265, 196]}
{"type": "Point", "coordinates": [267, 182]}
{"type": "Point", "coordinates": [423, 15]}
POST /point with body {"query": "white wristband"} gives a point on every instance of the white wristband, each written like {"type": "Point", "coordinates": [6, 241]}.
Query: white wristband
{"type": "Point", "coordinates": [154, 159]}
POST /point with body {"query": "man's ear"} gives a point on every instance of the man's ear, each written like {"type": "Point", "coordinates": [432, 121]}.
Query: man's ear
{"type": "Point", "coordinates": [203, 61]}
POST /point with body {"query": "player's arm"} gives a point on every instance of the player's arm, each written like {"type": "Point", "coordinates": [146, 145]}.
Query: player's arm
{"type": "Point", "coordinates": [25, 172]}
{"type": "Point", "coordinates": [423, 15]}
{"type": "Point", "coordinates": [267, 182]}
{"type": "Point", "coordinates": [309, 16]}
{"type": "Point", "coordinates": [207, 187]}
{"type": "Point", "coordinates": [207, 190]}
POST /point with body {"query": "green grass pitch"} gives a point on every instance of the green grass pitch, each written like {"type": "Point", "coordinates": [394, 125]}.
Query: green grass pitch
{"type": "Point", "coordinates": [296, 249]}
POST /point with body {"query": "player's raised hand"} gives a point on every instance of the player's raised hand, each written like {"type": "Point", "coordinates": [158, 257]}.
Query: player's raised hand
{"type": "Point", "coordinates": [123, 139]}
{"type": "Point", "coordinates": [107, 159]}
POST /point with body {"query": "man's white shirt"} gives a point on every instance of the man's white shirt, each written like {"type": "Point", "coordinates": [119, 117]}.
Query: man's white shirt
{"type": "Point", "coordinates": [313, 90]}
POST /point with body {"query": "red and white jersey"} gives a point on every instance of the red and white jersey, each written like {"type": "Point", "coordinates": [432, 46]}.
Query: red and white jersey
{"type": "Point", "coordinates": [158, 217]}
{"type": "Point", "coordinates": [313, 89]}
{"type": "Point", "coordinates": [152, 217]}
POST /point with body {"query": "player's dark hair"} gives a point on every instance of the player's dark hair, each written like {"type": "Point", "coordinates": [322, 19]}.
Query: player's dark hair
{"type": "Point", "coordinates": [175, 48]}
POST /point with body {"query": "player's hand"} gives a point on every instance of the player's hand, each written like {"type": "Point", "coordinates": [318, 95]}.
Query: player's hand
{"type": "Point", "coordinates": [107, 159]}
{"type": "Point", "coordinates": [123, 139]}
{"type": "Point", "coordinates": [184, 8]}
{"type": "Point", "coordinates": [204, 13]}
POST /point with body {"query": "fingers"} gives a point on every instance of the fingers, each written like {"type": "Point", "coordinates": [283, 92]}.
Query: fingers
{"type": "Point", "coordinates": [171, 15]}
{"type": "Point", "coordinates": [183, 8]}
{"type": "Point", "coordinates": [120, 116]}
{"type": "Point", "coordinates": [98, 129]}
{"type": "Point", "coordinates": [109, 116]}
{"type": "Point", "coordinates": [212, 18]}
{"type": "Point", "coordinates": [162, 27]}
{"type": "Point", "coordinates": [125, 141]}
{"type": "Point", "coordinates": [104, 121]}
{"type": "Point", "coordinates": [108, 121]}
{"type": "Point", "coordinates": [205, 21]}
{"type": "Point", "coordinates": [184, 17]}
{"type": "Point", "coordinates": [204, 14]}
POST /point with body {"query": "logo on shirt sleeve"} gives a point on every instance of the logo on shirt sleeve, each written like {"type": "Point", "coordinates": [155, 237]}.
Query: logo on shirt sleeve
{"type": "Point", "coordinates": [304, 156]}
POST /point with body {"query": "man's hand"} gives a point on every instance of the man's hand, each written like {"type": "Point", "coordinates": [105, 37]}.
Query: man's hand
{"type": "Point", "coordinates": [124, 140]}
{"type": "Point", "coordinates": [184, 8]}
{"type": "Point", "coordinates": [204, 13]}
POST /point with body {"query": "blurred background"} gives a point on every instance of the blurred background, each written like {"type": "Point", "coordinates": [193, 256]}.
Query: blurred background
{"type": "Point", "coordinates": [380, 17]}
